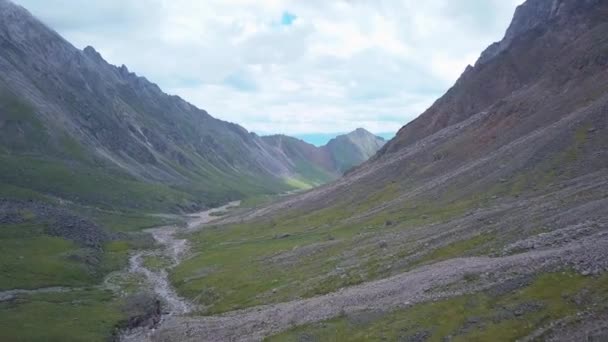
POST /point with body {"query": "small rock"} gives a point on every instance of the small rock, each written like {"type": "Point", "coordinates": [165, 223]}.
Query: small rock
{"type": "Point", "coordinates": [591, 130]}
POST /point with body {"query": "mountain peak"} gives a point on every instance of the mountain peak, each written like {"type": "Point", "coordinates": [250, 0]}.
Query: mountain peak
{"type": "Point", "coordinates": [531, 15]}
{"type": "Point", "coordinates": [93, 54]}
{"type": "Point", "coordinates": [362, 132]}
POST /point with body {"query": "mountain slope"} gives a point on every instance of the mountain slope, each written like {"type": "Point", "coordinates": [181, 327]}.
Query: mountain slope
{"type": "Point", "coordinates": [511, 163]}
{"type": "Point", "coordinates": [69, 111]}
{"type": "Point", "coordinates": [352, 149]}
{"type": "Point", "coordinates": [328, 162]}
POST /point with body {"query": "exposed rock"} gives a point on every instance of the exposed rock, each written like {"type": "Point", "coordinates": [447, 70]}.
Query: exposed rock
{"type": "Point", "coordinates": [58, 221]}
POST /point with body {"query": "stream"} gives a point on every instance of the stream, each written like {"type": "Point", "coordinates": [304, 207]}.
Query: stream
{"type": "Point", "coordinates": [173, 250]}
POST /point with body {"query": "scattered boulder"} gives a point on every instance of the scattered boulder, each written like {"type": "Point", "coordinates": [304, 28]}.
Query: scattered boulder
{"type": "Point", "coordinates": [143, 309]}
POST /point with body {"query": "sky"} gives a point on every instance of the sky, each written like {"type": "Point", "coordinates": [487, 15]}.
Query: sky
{"type": "Point", "coordinates": [308, 68]}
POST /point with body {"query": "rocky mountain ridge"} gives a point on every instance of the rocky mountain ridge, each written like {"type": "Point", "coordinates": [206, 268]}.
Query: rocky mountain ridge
{"type": "Point", "coordinates": [63, 106]}
{"type": "Point", "coordinates": [339, 155]}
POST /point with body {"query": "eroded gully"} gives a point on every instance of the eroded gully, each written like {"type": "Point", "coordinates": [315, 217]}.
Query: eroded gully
{"type": "Point", "coordinates": [173, 249]}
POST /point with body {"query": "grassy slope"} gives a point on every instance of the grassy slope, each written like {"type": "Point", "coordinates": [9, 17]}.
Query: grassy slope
{"type": "Point", "coordinates": [226, 273]}
{"type": "Point", "coordinates": [38, 157]}
{"type": "Point", "coordinates": [479, 317]}
{"type": "Point", "coordinates": [88, 315]}
{"type": "Point", "coordinates": [34, 260]}
{"type": "Point", "coordinates": [232, 258]}
{"type": "Point", "coordinates": [58, 170]}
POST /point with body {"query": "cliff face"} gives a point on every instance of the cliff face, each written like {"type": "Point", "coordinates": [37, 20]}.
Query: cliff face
{"type": "Point", "coordinates": [545, 35]}
{"type": "Point", "coordinates": [534, 14]}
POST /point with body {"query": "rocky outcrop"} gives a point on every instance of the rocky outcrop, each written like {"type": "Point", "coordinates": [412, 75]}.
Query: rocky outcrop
{"type": "Point", "coordinates": [549, 43]}
{"type": "Point", "coordinates": [532, 15]}
{"type": "Point", "coordinates": [58, 222]}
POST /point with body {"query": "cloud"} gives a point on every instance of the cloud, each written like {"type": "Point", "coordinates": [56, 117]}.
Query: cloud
{"type": "Point", "coordinates": [290, 66]}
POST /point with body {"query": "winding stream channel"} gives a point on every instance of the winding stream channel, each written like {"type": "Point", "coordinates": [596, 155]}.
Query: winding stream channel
{"type": "Point", "coordinates": [174, 250]}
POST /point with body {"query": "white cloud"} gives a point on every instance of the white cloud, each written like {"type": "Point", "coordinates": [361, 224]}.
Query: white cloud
{"type": "Point", "coordinates": [334, 66]}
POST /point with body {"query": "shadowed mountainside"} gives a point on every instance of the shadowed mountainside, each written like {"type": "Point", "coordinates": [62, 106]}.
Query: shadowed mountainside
{"type": "Point", "coordinates": [70, 121]}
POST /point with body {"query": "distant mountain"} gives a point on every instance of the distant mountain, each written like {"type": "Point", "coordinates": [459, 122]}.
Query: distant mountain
{"type": "Point", "coordinates": [352, 149]}
{"type": "Point", "coordinates": [320, 164]}
{"type": "Point", "coordinates": [82, 130]}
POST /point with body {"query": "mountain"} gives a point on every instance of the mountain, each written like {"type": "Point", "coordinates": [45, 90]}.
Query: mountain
{"type": "Point", "coordinates": [90, 153]}
{"type": "Point", "coordinates": [486, 218]}
{"type": "Point", "coordinates": [71, 123]}
{"type": "Point", "coordinates": [352, 149]}
{"type": "Point", "coordinates": [328, 162]}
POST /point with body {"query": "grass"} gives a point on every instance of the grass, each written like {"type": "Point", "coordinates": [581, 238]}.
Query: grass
{"type": "Point", "coordinates": [154, 262]}
{"type": "Point", "coordinates": [479, 317]}
{"type": "Point", "coordinates": [88, 315]}
{"type": "Point", "coordinates": [456, 249]}
{"type": "Point", "coordinates": [34, 260]}
{"type": "Point", "coordinates": [242, 255]}
{"type": "Point", "coordinates": [255, 201]}
{"type": "Point", "coordinates": [87, 185]}
{"type": "Point", "coordinates": [130, 221]}
{"type": "Point", "coordinates": [16, 192]}
{"type": "Point", "coordinates": [31, 260]}
{"type": "Point", "coordinates": [21, 128]}
{"type": "Point", "coordinates": [300, 184]}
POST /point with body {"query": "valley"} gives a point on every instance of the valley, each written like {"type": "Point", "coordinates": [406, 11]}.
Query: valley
{"type": "Point", "coordinates": [127, 214]}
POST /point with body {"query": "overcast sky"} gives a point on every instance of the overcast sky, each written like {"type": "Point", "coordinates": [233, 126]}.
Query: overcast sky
{"type": "Point", "coordinates": [296, 67]}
